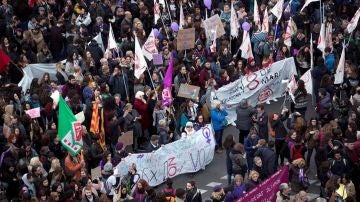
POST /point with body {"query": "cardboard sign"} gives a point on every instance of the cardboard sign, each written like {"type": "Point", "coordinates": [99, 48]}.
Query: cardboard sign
{"type": "Point", "coordinates": [213, 24]}
{"type": "Point", "coordinates": [189, 91]}
{"type": "Point", "coordinates": [185, 39]}
{"type": "Point", "coordinates": [33, 113]}
{"type": "Point", "coordinates": [157, 59]}
{"type": "Point", "coordinates": [96, 173]}
{"type": "Point", "coordinates": [127, 138]}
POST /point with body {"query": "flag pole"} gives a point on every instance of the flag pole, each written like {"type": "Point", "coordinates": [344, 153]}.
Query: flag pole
{"type": "Point", "coordinates": [152, 82]}
{"type": "Point", "coordinates": [312, 67]}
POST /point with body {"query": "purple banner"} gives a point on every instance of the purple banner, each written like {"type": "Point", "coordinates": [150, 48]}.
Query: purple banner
{"type": "Point", "coordinates": [266, 191]}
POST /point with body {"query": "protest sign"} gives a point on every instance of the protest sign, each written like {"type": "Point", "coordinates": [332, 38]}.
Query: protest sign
{"type": "Point", "coordinates": [157, 59]}
{"type": "Point", "coordinates": [185, 39]}
{"type": "Point", "coordinates": [266, 191]}
{"type": "Point", "coordinates": [32, 71]}
{"type": "Point", "coordinates": [33, 113]}
{"type": "Point", "coordinates": [257, 87]}
{"type": "Point", "coordinates": [95, 173]}
{"type": "Point", "coordinates": [213, 24]}
{"type": "Point", "coordinates": [127, 139]}
{"type": "Point", "coordinates": [189, 91]}
{"type": "Point", "coordinates": [186, 155]}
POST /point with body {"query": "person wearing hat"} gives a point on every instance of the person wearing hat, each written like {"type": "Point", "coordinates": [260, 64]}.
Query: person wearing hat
{"type": "Point", "coordinates": [218, 194]}
{"type": "Point", "coordinates": [189, 130]}
{"type": "Point", "coordinates": [119, 153]}
{"type": "Point", "coordinates": [153, 144]}
{"type": "Point", "coordinates": [218, 120]}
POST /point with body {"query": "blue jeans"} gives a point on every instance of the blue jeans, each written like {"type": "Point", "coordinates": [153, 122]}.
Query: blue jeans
{"type": "Point", "coordinates": [218, 138]}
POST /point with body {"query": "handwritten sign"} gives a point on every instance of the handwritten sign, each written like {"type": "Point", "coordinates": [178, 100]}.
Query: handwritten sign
{"type": "Point", "coordinates": [189, 91]}
{"type": "Point", "coordinates": [33, 113]}
{"type": "Point", "coordinates": [186, 39]}
{"type": "Point", "coordinates": [157, 59]}
{"type": "Point", "coordinates": [186, 155]}
{"type": "Point", "coordinates": [213, 24]}
{"type": "Point", "coordinates": [127, 139]}
{"type": "Point", "coordinates": [95, 173]}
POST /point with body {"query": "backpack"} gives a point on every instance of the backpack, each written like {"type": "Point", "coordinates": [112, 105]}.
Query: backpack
{"type": "Point", "coordinates": [108, 186]}
{"type": "Point", "coordinates": [296, 151]}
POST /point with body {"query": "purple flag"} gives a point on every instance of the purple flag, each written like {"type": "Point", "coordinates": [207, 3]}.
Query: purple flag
{"type": "Point", "coordinates": [166, 94]}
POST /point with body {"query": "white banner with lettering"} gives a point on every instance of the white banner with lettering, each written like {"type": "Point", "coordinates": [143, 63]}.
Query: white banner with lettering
{"type": "Point", "coordinates": [258, 87]}
{"type": "Point", "coordinates": [186, 155]}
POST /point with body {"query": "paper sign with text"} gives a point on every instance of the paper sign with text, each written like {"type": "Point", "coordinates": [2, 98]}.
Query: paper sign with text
{"type": "Point", "coordinates": [185, 39]}
{"type": "Point", "coordinates": [33, 113]}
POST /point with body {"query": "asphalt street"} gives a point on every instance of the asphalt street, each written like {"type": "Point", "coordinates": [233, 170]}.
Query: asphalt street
{"type": "Point", "coordinates": [215, 173]}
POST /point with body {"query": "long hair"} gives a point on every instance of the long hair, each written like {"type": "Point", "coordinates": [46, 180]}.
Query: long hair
{"type": "Point", "coordinates": [301, 87]}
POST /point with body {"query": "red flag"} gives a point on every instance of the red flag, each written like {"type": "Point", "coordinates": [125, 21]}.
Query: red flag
{"type": "Point", "coordinates": [4, 61]}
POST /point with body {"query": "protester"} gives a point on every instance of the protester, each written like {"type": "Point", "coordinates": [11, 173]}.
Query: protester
{"type": "Point", "coordinates": [88, 52]}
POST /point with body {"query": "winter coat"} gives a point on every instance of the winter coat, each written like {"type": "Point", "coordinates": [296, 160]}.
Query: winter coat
{"type": "Point", "coordinates": [217, 117]}
{"type": "Point", "coordinates": [262, 122]}
{"type": "Point", "coordinates": [204, 77]}
{"type": "Point", "coordinates": [96, 52]}
{"type": "Point", "coordinates": [141, 108]}
{"type": "Point", "coordinates": [268, 157]}
{"type": "Point", "coordinates": [296, 184]}
{"type": "Point", "coordinates": [72, 169]}
{"type": "Point", "coordinates": [228, 162]}
{"type": "Point", "coordinates": [239, 163]}
{"type": "Point", "coordinates": [193, 196]}
{"type": "Point", "coordinates": [164, 136]}
{"type": "Point", "coordinates": [279, 128]}
{"type": "Point", "coordinates": [248, 144]}
{"type": "Point", "coordinates": [330, 62]}
{"type": "Point", "coordinates": [244, 117]}
{"type": "Point", "coordinates": [117, 84]}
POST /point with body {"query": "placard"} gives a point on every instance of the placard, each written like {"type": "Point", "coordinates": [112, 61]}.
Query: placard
{"type": "Point", "coordinates": [189, 91]}
{"type": "Point", "coordinates": [157, 59]}
{"type": "Point", "coordinates": [127, 139]}
{"type": "Point", "coordinates": [33, 113]}
{"type": "Point", "coordinates": [212, 23]}
{"type": "Point", "coordinates": [185, 39]}
{"type": "Point", "coordinates": [95, 173]}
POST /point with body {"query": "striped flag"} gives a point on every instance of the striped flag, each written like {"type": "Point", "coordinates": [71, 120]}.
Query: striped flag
{"type": "Point", "coordinates": [265, 23]}
{"type": "Point", "coordinates": [307, 2]}
{"type": "Point", "coordinates": [278, 10]}
{"type": "Point", "coordinates": [102, 130]}
{"type": "Point", "coordinates": [95, 119]}
{"type": "Point", "coordinates": [234, 23]}
{"type": "Point", "coordinates": [354, 22]}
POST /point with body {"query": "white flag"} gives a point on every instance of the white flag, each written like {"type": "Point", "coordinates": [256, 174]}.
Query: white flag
{"type": "Point", "coordinates": [257, 15]}
{"type": "Point", "coordinates": [311, 52]}
{"type": "Point", "coordinates": [149, 47]}
{"type": "Point", "coordinates": [339, 75]}
{"type": "Point", "coordinates": [328, 35]}
{"type": "Point", "coordinates": [140, 62]}
{"type": "Point", "coordinates": [308, 81]}
{"type": "Point", "coordinates": [213, 45]}
{"type": "Point", "coordinates": [354, 21]}
{"type": "Point", "coordinates": [278, 10]}
{"type": "Point", "coordinates": [156, 11]}
{"type": "Point", "coordinates": [99, 41]}
{"type": "Point", "coordinates": [111, 40]}
{"type": "Point", "coordinates": [321, 41]}
{"type": "Point", "coordinates": [234, 23]}
{"type": "Point", "coordinates": [246, 49]}
{"type": "Point", "coordinates": [265, 23]}
{"type": "Point", "coordinates": [182, 18]}
{"type": "Point", "coordinates": [292, 86]}
{"type": "Point", "coordinates": [307, 2]}
{"type": "Point", "coordinates": [290, 31]}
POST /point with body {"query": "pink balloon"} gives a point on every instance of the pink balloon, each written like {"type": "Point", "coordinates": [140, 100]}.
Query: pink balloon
{"type": "Point", "coordinates": [245, 26]}
{"type": "Point", "coordinates": [207, 3]}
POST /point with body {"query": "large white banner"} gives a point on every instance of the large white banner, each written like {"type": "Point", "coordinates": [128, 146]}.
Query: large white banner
{"type": "Point", "coordinates": [258, 87]}
{"type": "Point", "coordinates": [186, 155]}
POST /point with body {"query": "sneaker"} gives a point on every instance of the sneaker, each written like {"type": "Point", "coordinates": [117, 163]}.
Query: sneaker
{"type": "Point", "coordinates": [268, 102]}
{"type": "Point", "coordinates": [275, 100]}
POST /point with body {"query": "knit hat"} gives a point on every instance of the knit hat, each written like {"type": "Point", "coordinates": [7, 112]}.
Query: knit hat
{"type": "Point", "coordinates": [108, 167]}
{"type": "Point", "coordinates": [189, 124]}
{"type": "Point", "coordinates": [217, 188]}
{"type": "Point", "coordinates": [215, 103]}
{"type": "Point", "coordinates": [119, 146]}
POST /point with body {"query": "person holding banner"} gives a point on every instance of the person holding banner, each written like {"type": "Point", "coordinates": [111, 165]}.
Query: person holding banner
{"type": "Point", "coordinates": [219, 122]}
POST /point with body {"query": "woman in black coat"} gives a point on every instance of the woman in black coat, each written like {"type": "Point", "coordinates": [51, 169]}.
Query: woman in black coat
{"type": "Point", "coordinates": [276, 123]}
{"type": "Point", "coordinates": [228, 145]}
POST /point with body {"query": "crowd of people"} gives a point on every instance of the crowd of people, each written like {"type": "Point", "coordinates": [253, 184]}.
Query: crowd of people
{"type": "Point", "coordinates": [36, 167]}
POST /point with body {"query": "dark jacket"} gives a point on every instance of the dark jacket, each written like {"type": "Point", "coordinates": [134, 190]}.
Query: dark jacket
{"type": "Point", "coordinates": [262, 122]}
{"type": "Point", "coordinates": [193, 196]}
{"type": "Point", "coordinates": [268, 157]}
{"type": "Point", "coordinates": [117, 85]}
{"type": "Point", "coordinates": [279, 128]}
{"type": "Point", "coordinates": [151, 148]}
{"type": "Point", "coordinates": [96, 52]}
{"type": "Point", "coordinates": [96, 155]}
{"type": "Point", "coordinates": [239, 164]}
{"type": "Point", "coordinates": [164, 136]}
{"type": "Point", "coordinates": [244, 116]}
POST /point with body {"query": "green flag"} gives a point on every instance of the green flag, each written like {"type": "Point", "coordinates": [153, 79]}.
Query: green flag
{"type": "Point", "coordinates": [69, 129]}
